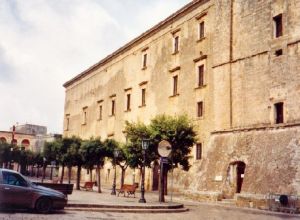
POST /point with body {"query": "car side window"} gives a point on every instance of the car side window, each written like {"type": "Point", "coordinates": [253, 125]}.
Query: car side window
{"type": "Point", "coordinates": [13, 179]}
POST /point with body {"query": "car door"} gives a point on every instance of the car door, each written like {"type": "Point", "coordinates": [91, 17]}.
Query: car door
{"type": "Point", "coordinates": [15, 190]}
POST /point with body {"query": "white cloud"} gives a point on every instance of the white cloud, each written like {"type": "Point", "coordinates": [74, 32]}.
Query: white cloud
{"type": "Point", "coordinates": [45, 43]}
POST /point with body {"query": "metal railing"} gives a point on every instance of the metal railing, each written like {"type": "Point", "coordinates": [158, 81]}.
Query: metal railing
{"type": "Point", "coordinates": [283, 203]}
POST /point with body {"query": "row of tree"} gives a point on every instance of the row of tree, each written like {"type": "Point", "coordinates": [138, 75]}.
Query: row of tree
{"type": "Point", "coordinates": [93, 153]}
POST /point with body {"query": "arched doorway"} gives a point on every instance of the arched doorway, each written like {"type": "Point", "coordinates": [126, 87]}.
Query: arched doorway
{"type": "Point", "coordinates": [236, 175]}
{"type": "Point", "coordinates": [25, 143]}
{"type": "Point", "coordinates": [2, 140]}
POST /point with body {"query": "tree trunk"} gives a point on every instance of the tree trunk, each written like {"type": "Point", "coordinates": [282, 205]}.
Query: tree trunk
{"type": "Point", "coordinates": [44, 172]}
{"type": "Point", "coordinates": [78, 177]}
{"type": "Point", "coordinates": [51, 172]}
{"type": "Point", "coordinates": [122, 175]}
{"type": "Point", "coordinates": [69, 174]}
{"type": "Point", "coordinates": [31, 173]}
{"type": "Point", "coordinates": [37, 171]}
{"type": "Point", "coordinates": [91, 175]}
{"type": "Point", "coordinates": [62, 174]}
{"type": "Point", "coordinates": [98, 170]}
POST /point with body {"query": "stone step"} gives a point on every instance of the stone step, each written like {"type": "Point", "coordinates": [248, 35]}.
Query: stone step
{"type": "Point", "coordinates": [228, 202]}
{"type": "Point", "coordinates": [126, 210]}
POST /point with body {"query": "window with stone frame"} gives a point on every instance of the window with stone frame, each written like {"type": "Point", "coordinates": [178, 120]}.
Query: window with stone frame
{"type": "Point", "coordinates": [143, 97]}
{"type": "Point", "coordinates": [67, 125]}
{"type": "Point", "coordinates": [145, 60]}
{"type": "Point", "coordinates": [198, 151]}
{"type": "Point", "coordinates": [128, 102]}
{"type": "Point", "coordinates": [200, 75]}
{"type": "Point", "coordinates": [84, 116]}
{"type": "Point", "coordinates": [278, 25]}
{"type": "Point", "coordinates": [201, 30]}
{"type": "Point", "coordinates": [175, 85]}
{"type": "Point", "coordinates": [279, 113]}
{"type": "Point", "coordinates": [175, 44]}
{"type": "Point", "coordinates": [199, 109]}
{"type": "Point", "coordinates": [113, 107]}
{"type": "Point", "coordinates": [100, 112]}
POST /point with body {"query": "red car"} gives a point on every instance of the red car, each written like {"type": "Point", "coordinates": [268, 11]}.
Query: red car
{"type": "Point", "coordinates": [17, 191]}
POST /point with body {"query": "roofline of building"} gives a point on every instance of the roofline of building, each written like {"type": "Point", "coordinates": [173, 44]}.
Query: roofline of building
{"type": "Point", "coordinates": [173, 17]}
{"type": "Point", "coordinates": [10, 132]}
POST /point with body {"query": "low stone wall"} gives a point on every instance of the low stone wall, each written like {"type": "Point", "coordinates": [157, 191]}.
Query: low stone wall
{"type": "Point", "coordinates": [257, 201]}
{"type": "Point", "coordinates": [204, 196]}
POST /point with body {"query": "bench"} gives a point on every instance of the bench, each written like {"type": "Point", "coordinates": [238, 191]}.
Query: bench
{"type": "Point", "coordinates": [129, 189]}
{"type": "Point", "coordinates": [88, 186]}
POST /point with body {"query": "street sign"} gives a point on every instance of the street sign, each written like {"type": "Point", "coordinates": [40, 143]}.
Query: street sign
{"type": "Point", "coordinates": [164, 148]}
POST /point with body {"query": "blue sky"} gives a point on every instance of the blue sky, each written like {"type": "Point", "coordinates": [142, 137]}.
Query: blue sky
{"type": "Point", "coordinates": [44, 43]}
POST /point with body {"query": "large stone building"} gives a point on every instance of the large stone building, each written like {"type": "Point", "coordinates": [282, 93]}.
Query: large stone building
{"type": "Point", "coordinates": [233, 66]}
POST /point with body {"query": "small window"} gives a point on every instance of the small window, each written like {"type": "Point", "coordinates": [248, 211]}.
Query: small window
{"type": "Point", "coordinates": [278, 53]}
{"type": "Point", "coordinates": [199, 109]}
{"type": "Point", "coordinates": [67, 122]}
{"type": "Point", "coordinates": [113, 107]}
{"type": "Point", "coordinates": [200, 75]}
{"type": "Point", "coordinates": [278, 25]}
{"type": "Point", "coordinates": [201, 30]}
{"type": "Point", "coordinates": [279, 112]}
{"type": "Point", "coordinates": [144, 61]}
{"type": "Point", "coordinates": [198, 151]}
{"type": "Point", "coordinates": [175, 84]}
{"type": "Point", "coordinates": [84, 116]}
{"type": "Point", "coordinates": [176, 44]}
{"type": "Point", "coordinates": [143, 97]}
{"type": "Point", "coordinates": [128, 102]}
{"type": "Point", "coordinates": [100, 112]}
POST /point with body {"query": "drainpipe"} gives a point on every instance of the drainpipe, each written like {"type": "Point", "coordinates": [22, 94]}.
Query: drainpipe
{"type": "Point", "coordinates": [230, 60]}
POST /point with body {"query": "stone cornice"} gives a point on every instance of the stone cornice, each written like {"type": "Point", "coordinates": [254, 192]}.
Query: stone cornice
{"type": "Point", "coordinates": [169, 20]}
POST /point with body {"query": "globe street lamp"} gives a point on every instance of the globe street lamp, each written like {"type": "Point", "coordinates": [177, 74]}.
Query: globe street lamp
{"type": "Point", "coordinates": [145, 145]}
{"type": "Point", "coordinates": [116, 154]}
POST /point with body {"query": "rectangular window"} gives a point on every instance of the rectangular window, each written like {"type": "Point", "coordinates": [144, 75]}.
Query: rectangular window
{"type": "Point", "coordinates": [278, 25]}
{"type": "Point", "coordinates": [100, 112]}
{"type": "Point", "coordinates": [67, 122]}
{"type": "Point", "coordinates": [279, 112]}
{"type": "Point", "coordinates": [128, 102]}
{"type": "Point", "coordinates": [175, 83]}
{"type": "Point", "coordinates": [201, 30]}
{"type": "Point", "coordinates": [144, 61]}
{"type": "Point", "coordinates": [113, 107]}
{"type": "Point", "coordinates": [200, 75]}
{"type": "Point", "coordinates": [143, 97]}
{"type": "Point", "coordinates": [198, 151]}
{"type": "Point", "coordinates": [176, 44]}
{"type": "Point", "coordinates": [84, 116]}
{"type": "Point", "coordinates": [199, 109]}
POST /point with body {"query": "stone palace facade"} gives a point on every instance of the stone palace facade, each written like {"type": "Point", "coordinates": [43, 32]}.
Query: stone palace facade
{"type": "Point", "coordinates": [233, 66]}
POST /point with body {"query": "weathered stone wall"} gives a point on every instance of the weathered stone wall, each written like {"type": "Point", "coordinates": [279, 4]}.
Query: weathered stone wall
{"type": "Point", "coordinates": [243, 80]}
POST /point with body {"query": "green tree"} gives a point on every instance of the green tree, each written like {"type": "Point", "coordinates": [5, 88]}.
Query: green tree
{"type": "Point", "coordinates": [51, 153]}
{"type": "Point", "coordinates": [94, 152]}
{"type": "Point", "coordinates": [5, 154]}
{"type": "Point", "coordinates": [178, 130]}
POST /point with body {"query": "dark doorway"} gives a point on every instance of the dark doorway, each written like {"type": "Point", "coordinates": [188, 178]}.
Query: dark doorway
{"type": "Point", "coordinates": [240, 171]}
{"type": "Point", "coordinates": [155, 179]}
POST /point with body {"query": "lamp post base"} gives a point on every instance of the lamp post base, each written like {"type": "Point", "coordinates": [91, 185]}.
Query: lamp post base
{"type": "Point", "coordinates": [142, 200]}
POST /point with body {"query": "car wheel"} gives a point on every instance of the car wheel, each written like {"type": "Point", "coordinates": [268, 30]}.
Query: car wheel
{"type": "Point", "coordinates": [43, 205]}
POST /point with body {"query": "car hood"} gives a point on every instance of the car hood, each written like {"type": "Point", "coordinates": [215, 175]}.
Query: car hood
{"type": "Point", "coordinates": [48, 191]}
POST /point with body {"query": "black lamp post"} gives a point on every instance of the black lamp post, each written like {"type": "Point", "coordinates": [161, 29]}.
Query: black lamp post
{"type": "Point", "coordinates": [116, 154]}
{"type": "Point", "coordinates": [145, 145]}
